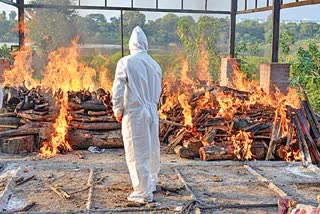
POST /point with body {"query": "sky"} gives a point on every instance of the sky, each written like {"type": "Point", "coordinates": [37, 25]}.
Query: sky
{"type": "Point", "coordinates": [300, 13]}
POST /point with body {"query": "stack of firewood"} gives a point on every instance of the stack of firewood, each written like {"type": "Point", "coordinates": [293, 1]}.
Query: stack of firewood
{"type": "Point", "coordinates": [91, 120]}
{"type": "Point", "coordinates": [243, 133]}
{"type": "Point", "coordinates": [24, 119]}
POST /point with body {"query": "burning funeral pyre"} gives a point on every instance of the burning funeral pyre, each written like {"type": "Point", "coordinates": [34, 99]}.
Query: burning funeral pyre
{"type": "Point", "coordinates": [68, 110]}
{"type": "Point", "coordinates": [240, 123]}
{"type": "Point", "coordinates": [64, 110]}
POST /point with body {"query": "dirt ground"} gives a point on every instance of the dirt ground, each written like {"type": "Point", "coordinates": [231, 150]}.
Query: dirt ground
{"type": "Point", "coordinates": [99, 183]}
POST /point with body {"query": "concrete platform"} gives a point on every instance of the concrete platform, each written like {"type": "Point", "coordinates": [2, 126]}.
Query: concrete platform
{"type": "Point", "coordinates": [210, 187]}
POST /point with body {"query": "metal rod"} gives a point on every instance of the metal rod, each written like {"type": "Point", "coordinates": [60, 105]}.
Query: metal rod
{"type": "Point", "coordinates": [182, 1]}
{"type": "Point", "coordinates": [21, 23]}
{"type": "Point", "coordinates": [268, 3]}
{"type": "Point", "coordinates": [275, 30]}
{"type": "Point", "coordinates": [122, 39]}
{"type": "Point", "coordinates": [9, 3]}
{"type": "Point", "coordinates": [206, 5]}
{"type": "Point", "coordinates": [88, 7]}
{"type": "Point", "coordinates": [131, 3]}
{"type": "Point", "coordinates": [157, 4]}
{"type": "Point", "coordinates": [246, 5]}
{"type": "Point", "coordinates": [234, 8]}
{"type": "Point", "coordinates": [105, 3]}
{"type": "Point", "coordinates": [256, 4]}
{"type": "Point", "coordinates": [79, 2]}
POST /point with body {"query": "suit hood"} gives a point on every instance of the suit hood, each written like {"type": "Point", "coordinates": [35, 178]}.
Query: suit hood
{"type": "Point", "coordinates": [138, 41]}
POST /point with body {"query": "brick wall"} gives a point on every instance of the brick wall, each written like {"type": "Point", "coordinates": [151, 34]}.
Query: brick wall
{"type": "Point", "coordinates": [226, 71]}
{"type": "Point", "coordinates": [274, 74]}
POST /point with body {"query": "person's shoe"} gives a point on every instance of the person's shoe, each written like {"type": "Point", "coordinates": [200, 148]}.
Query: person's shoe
{"type": "Point", "coordinates": [139, 199]}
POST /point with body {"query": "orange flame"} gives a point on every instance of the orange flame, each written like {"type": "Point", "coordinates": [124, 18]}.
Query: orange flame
{"type": "Point", "coordinates": [242, 144]}
{"type": "Point", "coordinates": [187, 110]}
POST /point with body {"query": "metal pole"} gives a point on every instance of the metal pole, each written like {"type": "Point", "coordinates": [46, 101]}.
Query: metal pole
{"type": "Point", "coordinates": [122, 40]}
{"type": "Point", "coordinates": [21, 23]}
{"type": "Point", "coordinates": [206, 5]}
{"type": "Point", "coordinates": [105, 3]}
{"type": "Point", "coordinates": [234, 8]}
{"type": "Point", "coordinates": [181, 4]}
{"type": "Point", "coordinates": [275, 30]}
{"type": "Point", "coordinates": [157, 4]}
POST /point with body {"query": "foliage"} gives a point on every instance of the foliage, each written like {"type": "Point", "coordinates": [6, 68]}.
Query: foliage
{"type": "Point", "coordinates": [196, 36]}
{"type": "Point", "coordinates": [305, 70]}
{"type": "Point", "coordinates": [52, 28]}
{"type": "Point", "coordinates": [5, 53]}
{"type": "Point", "coordinates": [286, 40]}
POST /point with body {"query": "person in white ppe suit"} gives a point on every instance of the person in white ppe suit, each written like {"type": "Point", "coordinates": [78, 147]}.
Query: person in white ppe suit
{"type": "Point", "coordinates": [136, 93]}
{"type": "Point", "coordinates": [1, 97]}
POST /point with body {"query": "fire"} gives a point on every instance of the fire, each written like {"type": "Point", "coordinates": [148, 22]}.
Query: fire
{"type": "Point", "coordinates": [21, 72]}
{"type": "Point", "coordinates": [58, 141]}
{"type": "Point", "coordinates": [242, 144]}
{"type": "Point", "coordinates": [166, 107]}
{"type": "Point", "coordinates": [187, 111]}
{"type": "Point", "coordinates": [203, 64]}
{"type": "Point", "coordinates": [64, 72]}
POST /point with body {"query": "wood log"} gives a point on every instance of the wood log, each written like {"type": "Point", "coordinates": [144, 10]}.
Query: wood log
{"type": "Point", "coordinates": [259, 150]}
{"type": "Point", "coordinates": [305, 129]}
{"type": "Point", "coordinates": [82, 139]}
{"type": "Point", "coordinates": [225, 151]}
{"type": "Point", "coordinates": [85, 119]}
{"type": "Point", "coordinates": [97, 113]}
{"type": "Point", "coordinates": [217, 152]}
{"type": "Point", "coordinates": [18, 145]}
{"type": "Point", "coordinates": [274, 136]}
{"type": "Point", "coordinates": [194, 145]}
{"type": "Point", "coordinates": [177, 140]}
{"type": "Point", "coordinates": [304, 149]}
{"type": "Point", "coordinates": [171, 123]}
{"type": "Point", "coordinates": [19, 132]}
{"type": "Point", "coordinates": [95, 126]}
{"type": "Point", "coordinates": [315, 131]}
{"type": "Point", "coordinates": [8, 114]}
{"type": "Point", "coordinates": [14, 121]}
{"type": "Point", "coordinates": [88, 105]}
{"type": "Point", "coordinates": [208, 138]}
{"type": "Point", "coordinates": [184, 152]}
{"type": "Point", "coordinates": [33, 112]}
{"type": "Point", "coordinates": [33, 117]}
{"type": "Point", "coordinates": [304, 94]}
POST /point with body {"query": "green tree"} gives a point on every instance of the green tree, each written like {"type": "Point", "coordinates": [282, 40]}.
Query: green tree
{"type": "Point", "coordinates": [305, 70]}
{"type": "Point", "coordinates": [286, 40]}
{"type": "Point", "coordinates": [131, 20]}
{"type": "Point", "coordinates": [205, 33]}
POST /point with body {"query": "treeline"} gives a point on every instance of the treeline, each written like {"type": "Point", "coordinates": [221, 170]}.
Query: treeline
{"type": "Point", "coordinates": [95, 28]}
{"type": "Point", "coordinates": [8, 27]}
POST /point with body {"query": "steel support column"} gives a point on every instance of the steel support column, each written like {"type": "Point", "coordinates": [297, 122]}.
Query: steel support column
{"type": "Point", "coordinates": [275, 29]}
{"type": "Point", "coordinates": [21, 23]}
{"type": "Point", "coordinates": [232, 36]}
{"type": "Point", "coordinates": [122, 38]}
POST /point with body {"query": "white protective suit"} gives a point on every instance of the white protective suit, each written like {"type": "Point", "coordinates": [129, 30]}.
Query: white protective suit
{"type": "Point", "coordinates": [1, 97]}
{"type": "Point", "coordinates": [136, 92]}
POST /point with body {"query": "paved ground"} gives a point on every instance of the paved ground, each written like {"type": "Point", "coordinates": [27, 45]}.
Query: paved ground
{"type": "Point", "coordinates": [99, 183]}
